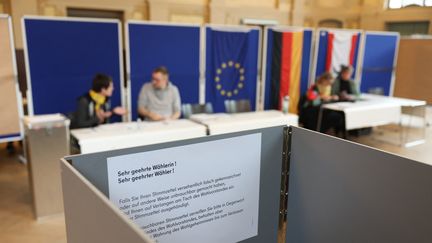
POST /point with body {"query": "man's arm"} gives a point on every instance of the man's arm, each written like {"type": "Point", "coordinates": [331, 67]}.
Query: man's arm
{"type": "Point", "coordinates": [176, 115]}
{"type": "Point", "coordinates": [176, 105]}
{"type": "Point", "coordinates": [335, 88]}
{"type": "Point", "coordinates": [354, 88]}
{"type": "Point", "coordinates": [151, 115]}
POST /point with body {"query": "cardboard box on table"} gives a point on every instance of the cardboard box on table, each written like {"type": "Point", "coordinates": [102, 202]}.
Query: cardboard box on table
{"type": "Point", "coordinates": [312, 188]}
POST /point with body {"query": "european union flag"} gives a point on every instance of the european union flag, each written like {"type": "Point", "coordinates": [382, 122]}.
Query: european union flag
{"type": "Point", "coordinates": [231, 65]}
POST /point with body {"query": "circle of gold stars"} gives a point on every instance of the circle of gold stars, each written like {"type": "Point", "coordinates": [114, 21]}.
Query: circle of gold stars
{"type": "Point", "coordinates": [240, 83]}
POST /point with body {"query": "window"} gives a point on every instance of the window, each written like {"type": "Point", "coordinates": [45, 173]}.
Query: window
{"type": "Point", "coordinates": [94, 13]}
{"type": "Point", "coordinates": [330, 23]}
{"type": "Point", "coordinates": [394, 4]}
{"type": "Point", "coordinates": [409, 28]}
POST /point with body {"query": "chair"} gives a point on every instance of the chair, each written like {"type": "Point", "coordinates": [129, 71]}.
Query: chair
{"type": "Point", "coordinates": [190, 109]}
{"type": "Point", "coordinates": [376, 91]}
{"type": "Point", "coordinates": [237, 106]}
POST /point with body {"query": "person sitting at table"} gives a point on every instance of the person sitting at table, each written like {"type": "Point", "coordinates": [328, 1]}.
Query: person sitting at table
{"type": "Point", "coordinates": [159, 99]}
{"type": "Point", "coordinates": [94, 106]}
{"type": "Point", "coordinates": [318, 94]}
{"type": "Point", "coordinates": [347, 90]}
{"type": "Point", "coordinates": [344, 86]}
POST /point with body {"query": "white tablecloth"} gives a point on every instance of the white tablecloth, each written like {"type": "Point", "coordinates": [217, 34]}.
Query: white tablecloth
{"type": "Point", "coordinates": [220, 123]}
{"type": "Point", "coordinates": [372, 110]}
{"type": "Point", "coordinates": [396, 100]}
{"type": "Point", "coordinates": [125, 135]}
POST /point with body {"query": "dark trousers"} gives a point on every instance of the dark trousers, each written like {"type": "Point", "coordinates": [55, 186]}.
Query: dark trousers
{"type": "Point", "coordinates": [330, 119]}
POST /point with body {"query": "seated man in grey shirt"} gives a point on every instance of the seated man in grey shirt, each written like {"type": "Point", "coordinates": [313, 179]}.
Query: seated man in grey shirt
{"type": "Point", "coordinates": [159, 99]}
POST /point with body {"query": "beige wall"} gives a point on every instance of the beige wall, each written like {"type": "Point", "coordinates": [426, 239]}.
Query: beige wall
{"type": "Point", "coordinates": [132, 9]}
{"type": "Point", "coordinates": [233, 14]}
{"type": "Point", "coordinates": [345, 11]}
{"type": "Point", "coordinates": [5, 6]}
{"type": "Point", "coordinates": [363, 14]}
{"type": "Point", "coordinates": [377, 20]}
{"type": "Point", "coordinates": [18, 9]}
{"type": "Point", "coordinates": [193, 11]}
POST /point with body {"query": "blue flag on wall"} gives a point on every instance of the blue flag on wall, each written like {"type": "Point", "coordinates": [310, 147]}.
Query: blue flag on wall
{"type": "Point", "coordinates": [231, 64]}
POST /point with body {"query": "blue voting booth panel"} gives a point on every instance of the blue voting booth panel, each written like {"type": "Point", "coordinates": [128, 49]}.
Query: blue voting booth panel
{"type": "Point", "coordinates": [63, 57]}
{"type": "Point", "coordinates": [379, 61]}
{"type": "Point", "coordinates": [231, 66]}
{"type": "Point", "coordinates": [305, 65]}
{"type": "Point", "coordinates": [321, 53]}
{"type": "Point", "coordinates": [176, 47]}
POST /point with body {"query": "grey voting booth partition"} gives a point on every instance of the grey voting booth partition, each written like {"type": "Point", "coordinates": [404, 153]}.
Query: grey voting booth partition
{"type": "Point", "coordinates": [345, 192]}
{"type": "Point", "coordinates": [92, 217]}
{"type": "Point", "coordinates": [335, 191]}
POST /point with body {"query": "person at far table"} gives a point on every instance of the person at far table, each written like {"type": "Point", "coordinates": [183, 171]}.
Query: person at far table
{"type": "Point", "coordinates": [159, 99]}
{"type": "Point", "coordinates": [318, 94]}
{"type": "Point", "coordinates": [347, 90]}
{"type": "Point", "coordinates": [344, 87]}
{"type": "Point", "coordinates": [94, 106]}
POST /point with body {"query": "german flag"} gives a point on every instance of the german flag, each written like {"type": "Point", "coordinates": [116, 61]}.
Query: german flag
{"type": "Point", "coordinates": [286, 68]}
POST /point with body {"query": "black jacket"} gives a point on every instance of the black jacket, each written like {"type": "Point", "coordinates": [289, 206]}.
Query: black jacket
{"type": "Point", "coordinates": [85, 114]}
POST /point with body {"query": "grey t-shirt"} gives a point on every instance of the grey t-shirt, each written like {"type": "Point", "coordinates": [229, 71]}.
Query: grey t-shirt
{"type": "Point", "coordinates": [164, 102]}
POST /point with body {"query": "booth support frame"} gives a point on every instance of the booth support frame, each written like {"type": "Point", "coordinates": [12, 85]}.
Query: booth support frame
{"type": "Point", "coordinates": [17, 90]}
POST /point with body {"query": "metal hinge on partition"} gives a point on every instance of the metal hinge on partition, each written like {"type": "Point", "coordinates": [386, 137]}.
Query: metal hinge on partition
{"type": "Point", "coordinates": [283, 207]}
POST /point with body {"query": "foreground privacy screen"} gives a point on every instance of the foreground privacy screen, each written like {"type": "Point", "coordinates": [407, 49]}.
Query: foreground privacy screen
{"type": "Point", "coordinates": [220, 188]}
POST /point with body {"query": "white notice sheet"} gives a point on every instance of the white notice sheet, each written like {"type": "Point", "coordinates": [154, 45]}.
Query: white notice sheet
{"type": "Point", "coordinates": [205, 192]}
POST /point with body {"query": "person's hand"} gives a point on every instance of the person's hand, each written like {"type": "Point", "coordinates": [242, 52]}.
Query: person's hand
{"type": "Point", "coordinates": [119, 111]}
{"type": "Point", "coordinates": [335, 97]}
{"type": "Point", "coordinates": [157, 117]}
{"type": "Point", "coordinates": [175, 116]}
{"type": "Point", "coordinates": [326, 98]}
{"type": "Point", "coordinates": [107, 114]}
{"type": "Point", "coordinates": [348, 97]}
{"type": "Point", "coordinates": [102, 115]}
{"type": "Point", "coordinates": [345, 96]}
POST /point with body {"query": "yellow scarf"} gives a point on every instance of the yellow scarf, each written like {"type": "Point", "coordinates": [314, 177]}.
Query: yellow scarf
{"type": "Point", "coordinates": [97, 98]}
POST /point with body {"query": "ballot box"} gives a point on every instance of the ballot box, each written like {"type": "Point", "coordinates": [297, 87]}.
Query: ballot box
{"type": "Point", "coordinates": [274, 184]}
{"type": "Point", "coordinates": [46, 140]}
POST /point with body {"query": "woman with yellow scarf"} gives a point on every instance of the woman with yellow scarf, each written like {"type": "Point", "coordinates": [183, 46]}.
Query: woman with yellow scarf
{"type": "Point", "coordinates": [94, 106]}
